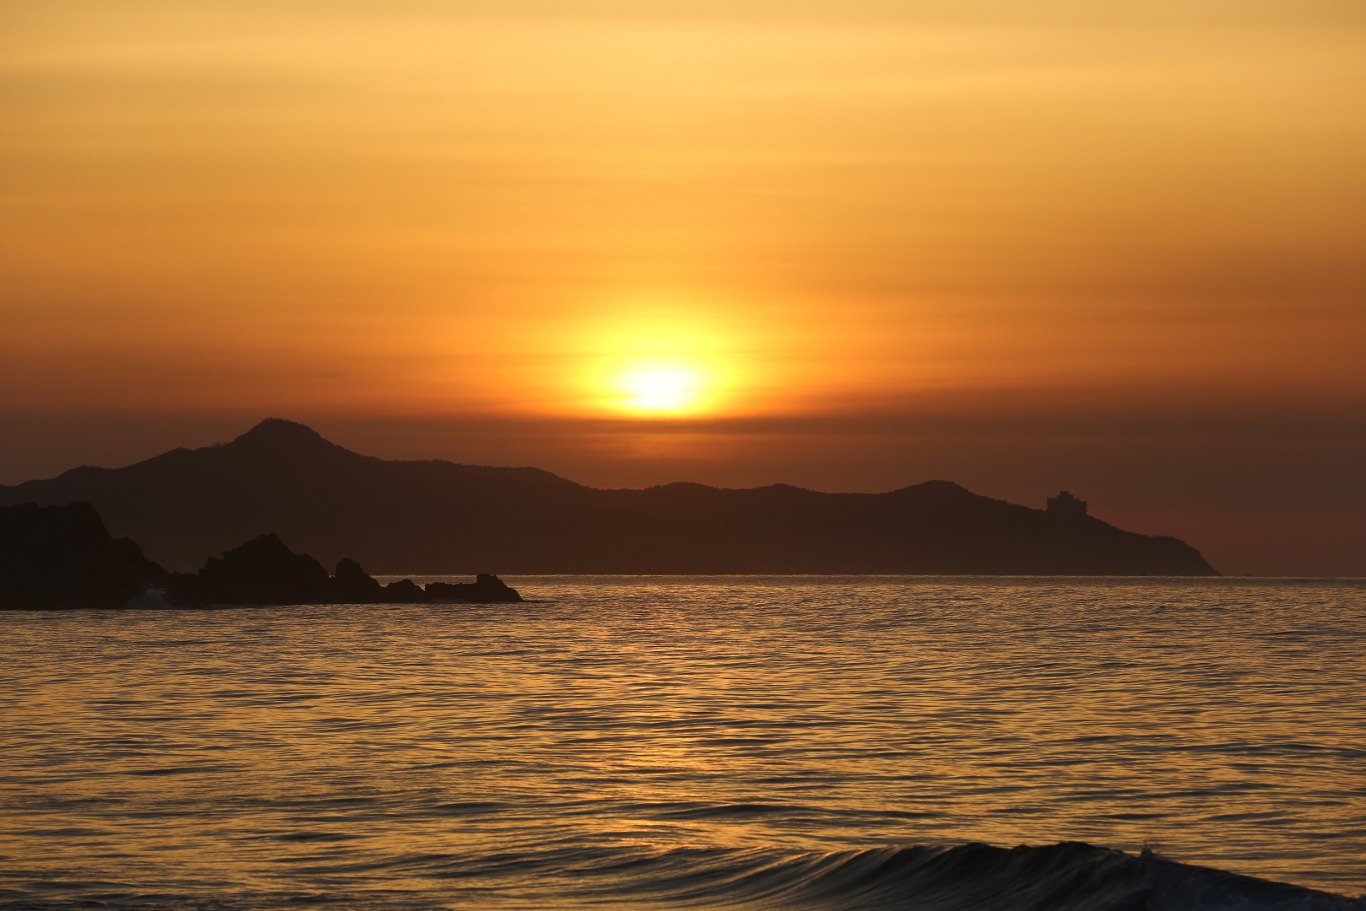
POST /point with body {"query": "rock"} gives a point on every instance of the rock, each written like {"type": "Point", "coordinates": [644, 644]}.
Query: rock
{"type": "Point", "coordinates": [485, 589]}
{"type": "Point", "coordinates": [261, 571]}
{"type": "Point", "coordinates": [62, 557]}
{"type": "Point", "coordinates": [404, 591]}
{"type": "Point", "coordinates": [56, 557]}
{"type": "Point", "coordinates": [265, 571]}
{"type": "Point", "coordinates": [353, 585]}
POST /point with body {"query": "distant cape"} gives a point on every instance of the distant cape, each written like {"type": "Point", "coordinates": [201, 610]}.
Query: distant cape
{"type": "Point", "coordinates": [443, 517]}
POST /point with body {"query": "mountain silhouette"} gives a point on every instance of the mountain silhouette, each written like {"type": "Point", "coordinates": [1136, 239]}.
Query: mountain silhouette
{"type": "Point", "coordinates": [437, 516]}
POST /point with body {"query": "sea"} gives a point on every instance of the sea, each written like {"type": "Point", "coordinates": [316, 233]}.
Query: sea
{"type": "Point", "coordinates": [668, 742]}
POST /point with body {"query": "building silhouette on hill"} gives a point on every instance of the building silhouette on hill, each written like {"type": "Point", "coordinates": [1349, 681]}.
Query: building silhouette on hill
{"type": "Point", "coordinates": [1066, 506]}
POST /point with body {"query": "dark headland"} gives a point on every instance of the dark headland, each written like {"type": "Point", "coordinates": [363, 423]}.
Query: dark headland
{"type": "Point", "coordinates": [437, 516]}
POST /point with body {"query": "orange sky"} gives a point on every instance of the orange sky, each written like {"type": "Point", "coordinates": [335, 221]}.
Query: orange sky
{"type": "Point", "coordinates": [1016, 245]}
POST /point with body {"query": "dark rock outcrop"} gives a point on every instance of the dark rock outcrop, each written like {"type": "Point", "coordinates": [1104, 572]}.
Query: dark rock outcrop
{"type": "Point", "coordinates": [485, 589]}
{"type": "Point", "coordinates": [62, 557]}
{"type": "Point", "coordinates": [353, 585]}
{"type": "Point", "coordinates": [265, 571]}
{"type": "Point", "coordinates": [404, 591]}
{"type": "Point", "coordinates": [261, 571]}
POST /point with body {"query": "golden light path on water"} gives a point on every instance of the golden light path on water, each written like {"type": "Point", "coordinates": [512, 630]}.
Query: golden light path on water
{"type": "Point", "coordinates": [620, 738]}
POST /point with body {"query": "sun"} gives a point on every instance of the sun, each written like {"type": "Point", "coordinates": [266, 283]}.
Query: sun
{"type": "Point", "coordinates": [657, 387]}
{"type": "Point", "coordinates": [657, 363]}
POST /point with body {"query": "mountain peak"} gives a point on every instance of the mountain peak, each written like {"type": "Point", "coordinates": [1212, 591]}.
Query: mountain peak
{"type": "Point", "coordinates": [276, 433]}
{"type": "Point", "coordinates": [935, 488]}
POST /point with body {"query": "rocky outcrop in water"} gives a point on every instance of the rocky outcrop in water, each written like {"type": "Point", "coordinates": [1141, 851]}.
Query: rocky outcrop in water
{"type": "Point", "coordinates": [486, 589]}
{"type": "Point", "coordinates": [265, 571]}
{"type": "Point", "coordinates": [404, 591]}
{"type": "Point", "coordinates": [62, 557]}
{"type": "Point", "coordinates": [261, 571]}
{"type": "Point", "coordinates": [353, 585]}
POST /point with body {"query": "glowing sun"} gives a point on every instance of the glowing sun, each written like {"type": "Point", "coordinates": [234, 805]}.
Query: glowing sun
{"type": "Point", "coordinates": [661, 388]}
{"type": "Point", "coordinates": [659, 364]}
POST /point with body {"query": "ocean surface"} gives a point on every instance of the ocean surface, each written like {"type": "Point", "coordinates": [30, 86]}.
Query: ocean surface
{"type": "Point", "coordinates": [717, 742]}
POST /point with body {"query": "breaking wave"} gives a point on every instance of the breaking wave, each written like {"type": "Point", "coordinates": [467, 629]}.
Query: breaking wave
{"type": "Point", "coordinates": [979, 877]}
{"type": "Point", "coordinates": [969, 877]}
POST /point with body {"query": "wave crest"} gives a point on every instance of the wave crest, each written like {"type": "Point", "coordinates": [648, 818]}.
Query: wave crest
{"type": "Point", "coordinates": [970, 877]}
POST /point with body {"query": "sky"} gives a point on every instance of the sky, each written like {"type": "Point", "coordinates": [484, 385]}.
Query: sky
{"type": "Point", "coordinates": [1113, 247]}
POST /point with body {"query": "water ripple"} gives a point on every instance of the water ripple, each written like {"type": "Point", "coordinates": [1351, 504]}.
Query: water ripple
{"type": "Point", "coordinates": [768, 741]}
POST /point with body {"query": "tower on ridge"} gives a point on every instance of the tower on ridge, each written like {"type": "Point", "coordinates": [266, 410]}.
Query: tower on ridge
{"type": "Point", "coordinates": [1066, 506]}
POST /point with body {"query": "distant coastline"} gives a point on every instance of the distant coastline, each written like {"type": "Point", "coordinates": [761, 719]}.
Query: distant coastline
{"type": "Point", "coordinates": [390, 515]}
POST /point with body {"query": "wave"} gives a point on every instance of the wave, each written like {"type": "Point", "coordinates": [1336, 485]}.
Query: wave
{"type": "Point", "coordinates": [970, 877]}
{"type": "Point", "coordinates": [1070, 876]}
